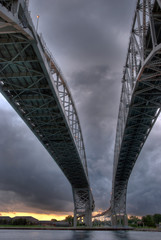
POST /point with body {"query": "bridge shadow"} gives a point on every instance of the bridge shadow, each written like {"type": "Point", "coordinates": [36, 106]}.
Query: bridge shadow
{"type": "Point", "coordinates": [79, 235]}
{"type": "Point", "coordinates": [118, 235]}
{"type": "Point", "coordinates": [99, 235]}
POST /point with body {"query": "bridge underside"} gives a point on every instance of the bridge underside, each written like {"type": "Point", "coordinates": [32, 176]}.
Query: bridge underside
{"type": "Point", "coordinates": [33, 84]}
{"type": "Point", "coordinates": [140, 98]}
{"type": "Point", "coordinates": [25, 85]}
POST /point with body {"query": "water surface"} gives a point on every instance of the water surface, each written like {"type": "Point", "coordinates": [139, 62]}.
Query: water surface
{"type": "Point", "coordinates": [77, 235]}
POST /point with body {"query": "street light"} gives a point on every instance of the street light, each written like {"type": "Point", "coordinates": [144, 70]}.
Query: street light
{"type": "Point", "coordinates": [37, 22]}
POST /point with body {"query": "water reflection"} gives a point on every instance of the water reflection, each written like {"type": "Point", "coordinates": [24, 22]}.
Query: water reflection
{"type": "Point", "coordinates": [79, 235]}
{"type": "Point", "coordinates": [121, 235]}
{"type": "Point", "coordinates": [100, 235]}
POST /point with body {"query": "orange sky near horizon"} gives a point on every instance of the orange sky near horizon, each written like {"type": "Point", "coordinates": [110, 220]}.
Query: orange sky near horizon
{"type": "Point", "coordinates": [40, 216]}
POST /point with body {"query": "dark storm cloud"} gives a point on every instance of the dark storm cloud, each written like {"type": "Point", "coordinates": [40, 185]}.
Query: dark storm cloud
{"type": "Point", "coordinates": [84, 32]}
{"type": "Point", "coordinates": [26, 171]}
{"type": "Point", "coordinates": [89, 39]}
{"type": "Point", "coordinates": [93, 91]}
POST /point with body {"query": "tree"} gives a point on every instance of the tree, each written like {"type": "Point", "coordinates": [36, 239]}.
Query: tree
{"type": "Point", "coordinates": [133, 220]}
{"type": "Point", "coordinates": [20, 221]}
{"type": "Point", "coordinates": [69, 219]}
{"type": "Point", "coordinates": [157, 218]}
{"type": "Point", "coordinates": [148, 221]}
{"type": "Point", "coordinates": [53, 220]}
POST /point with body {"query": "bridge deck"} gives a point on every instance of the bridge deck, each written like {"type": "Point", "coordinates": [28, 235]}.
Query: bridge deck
{"type": "Point", "coordinates": [141, 95]}
{"type": "Point", "coordinates": [27, 82]}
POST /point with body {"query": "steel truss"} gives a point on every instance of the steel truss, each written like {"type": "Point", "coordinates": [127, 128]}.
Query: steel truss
{"type": "Point", "coordinates": [140, 101]}
{"type": "Point", "coordinates": [83, 205]}
{"type": "Point", "coordinates": [34, 85]}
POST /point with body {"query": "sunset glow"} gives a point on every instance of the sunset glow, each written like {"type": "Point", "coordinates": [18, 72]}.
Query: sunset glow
{"type": "Point", "coordinates": [59, 216]}
{"type": "Point", "coordinates": [40, 216]}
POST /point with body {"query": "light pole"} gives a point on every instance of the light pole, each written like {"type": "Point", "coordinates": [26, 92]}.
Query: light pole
{"type": "Point", "coordinates": [37, 24]}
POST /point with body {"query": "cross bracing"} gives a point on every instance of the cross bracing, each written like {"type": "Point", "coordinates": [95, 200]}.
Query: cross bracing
{"type": "Point", "coordinates": [140, 100]}
{"type": "Point", "coordinates": [34, 85]}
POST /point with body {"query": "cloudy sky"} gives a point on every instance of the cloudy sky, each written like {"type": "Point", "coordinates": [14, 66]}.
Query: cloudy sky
{"type": "Point", "coordinates": [89, 40]}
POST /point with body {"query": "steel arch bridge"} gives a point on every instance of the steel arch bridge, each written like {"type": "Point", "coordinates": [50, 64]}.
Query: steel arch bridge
{"type": "Point", "coordinates": [34, 85]}
{"type": "Point", "coordinates": [140, 102]}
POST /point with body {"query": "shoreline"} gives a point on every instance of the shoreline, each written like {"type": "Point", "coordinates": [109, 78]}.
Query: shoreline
{"type": "Point", "coordinates": [82, 229]}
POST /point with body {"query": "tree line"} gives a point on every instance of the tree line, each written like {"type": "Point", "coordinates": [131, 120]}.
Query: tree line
{"type": "Point", "coordinates": [20, 221]}
{"type": "Point", "coordinates": [147, 221]}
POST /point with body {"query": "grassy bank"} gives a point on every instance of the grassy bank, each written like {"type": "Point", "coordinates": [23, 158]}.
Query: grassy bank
{"type": "Point", "coordinates": [24, 226]}
{"type": "Point", "coordinates": [40, 227]}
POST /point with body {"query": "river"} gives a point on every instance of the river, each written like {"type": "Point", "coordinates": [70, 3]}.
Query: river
{"type": "Point", "coordinates": [77, 235]}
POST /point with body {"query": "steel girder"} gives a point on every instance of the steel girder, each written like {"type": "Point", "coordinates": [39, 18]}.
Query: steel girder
{"type": "Point", "coordinates": [140, 100]}
{"type": "Point", "coordinates": [34, 85]}
{"type": "Point", "coordinates": [83, 205]}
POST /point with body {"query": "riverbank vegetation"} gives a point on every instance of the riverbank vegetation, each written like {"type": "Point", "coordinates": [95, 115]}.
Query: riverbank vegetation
{"type": "Point", "coordinates": [151, 221]}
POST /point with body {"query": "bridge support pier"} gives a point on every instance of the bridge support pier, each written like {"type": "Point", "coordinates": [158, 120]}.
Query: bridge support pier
{"type": "Point", "coordinates": [75, 218]}
{"type": "Point", "coordinates": [88, 218]}
{"type": "Point", "coordinates": [113, 220]}
{"type": "Point", "coordinates": [119, 220]}
{"type": "Point", "coordinates": [119, 216]}
{"type": "Point", "coordinates": [83, 206]}
{"type": "Point", "coordinates": [85, 217]}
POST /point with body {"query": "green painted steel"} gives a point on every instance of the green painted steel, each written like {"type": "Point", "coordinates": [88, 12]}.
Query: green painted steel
{"type": "Point", "coordinates": [34, 85]}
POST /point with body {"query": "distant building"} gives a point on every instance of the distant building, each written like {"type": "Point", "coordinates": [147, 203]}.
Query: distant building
{"type": "Point", "coordinates": [62, 224]}
{"type": "Point", "coordinates": [54, 223]}
{"type": "Point", "coordinates": [140, 224]}
{"type": "Point", "coordinates": [47, 223]}
{"type": "Point", "coordinates": [5, 220]}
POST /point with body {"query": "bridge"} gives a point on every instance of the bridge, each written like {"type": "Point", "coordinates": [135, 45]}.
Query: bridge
{"type": "Point", "coordinates": [140, 102]}
{"type": "Point", "coordinates": [35, 87]}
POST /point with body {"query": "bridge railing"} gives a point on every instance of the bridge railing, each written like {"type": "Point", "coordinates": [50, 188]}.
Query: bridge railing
{"type": "Point", "coordinates": [67, 102]}
{"type": "Point", "coordinates": [143, 23]}
{"type": "Point", "coordinates": [59, 80]}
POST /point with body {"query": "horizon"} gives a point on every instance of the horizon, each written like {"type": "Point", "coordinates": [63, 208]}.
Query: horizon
{"type": "Point", "coordinates": [40, 217]}
{"type": "Point", "coordinates": [48, 217]}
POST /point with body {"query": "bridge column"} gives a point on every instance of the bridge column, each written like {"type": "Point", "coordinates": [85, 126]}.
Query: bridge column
{"type": "Point", "coordinates": [125, 220]}
{"type": "Point", "coordinates": [75, 218]}
{"type": "Point", "coordinates": [88, 217]}
{"type": "Point", "coordinates": [113, 220]}
{"type": "Point", "coordinates": [118, 209]}
{"type": "Point", "coordinates": [82, 205]}
{"type": "Point", "coordinates": [119, 220]}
